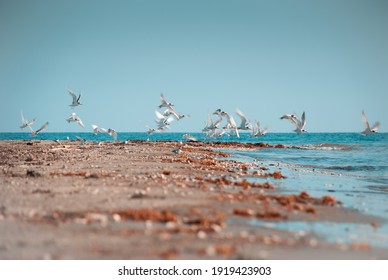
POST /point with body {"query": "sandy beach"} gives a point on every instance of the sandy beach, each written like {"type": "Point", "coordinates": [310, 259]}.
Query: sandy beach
{"type": "Point", "coordinates": [140, 200]}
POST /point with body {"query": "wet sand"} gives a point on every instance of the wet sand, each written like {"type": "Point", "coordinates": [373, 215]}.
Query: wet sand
{"type": "Point", "coordinates": [141, 201]}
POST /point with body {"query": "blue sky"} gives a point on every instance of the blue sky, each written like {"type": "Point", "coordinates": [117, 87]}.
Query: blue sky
{"type": "Point", "coordinates": [328, 58]}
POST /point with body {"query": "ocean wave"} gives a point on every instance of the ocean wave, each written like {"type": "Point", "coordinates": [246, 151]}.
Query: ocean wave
{"type": "Point", "coordinates": [325, 146]}
{"type": "Point", "coordinates": [357, 168]}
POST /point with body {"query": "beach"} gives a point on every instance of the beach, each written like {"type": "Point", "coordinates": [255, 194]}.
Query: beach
{"type": "Point", "coordinates": [140, 200]}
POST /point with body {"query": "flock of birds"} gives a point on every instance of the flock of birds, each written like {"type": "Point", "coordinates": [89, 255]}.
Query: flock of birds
{"type": "Point", "coordinates": [224, 124]}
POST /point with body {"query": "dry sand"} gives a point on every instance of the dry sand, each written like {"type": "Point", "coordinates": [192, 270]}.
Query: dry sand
{"type": "Point", "coordinates": [141, 201]}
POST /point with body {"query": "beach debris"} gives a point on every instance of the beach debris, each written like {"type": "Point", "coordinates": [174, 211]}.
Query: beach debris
{"type": "Point", "coordinates": [33, 173]}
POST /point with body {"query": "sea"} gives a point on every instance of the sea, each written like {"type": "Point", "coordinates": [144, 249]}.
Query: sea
{"type": "Point", "coordinates": [349, 166]}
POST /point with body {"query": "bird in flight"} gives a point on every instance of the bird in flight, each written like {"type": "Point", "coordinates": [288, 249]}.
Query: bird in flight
{"type": "Point", "coordinates": [76, 99]}
{"type": "Point", "coordinates": [368, 129]}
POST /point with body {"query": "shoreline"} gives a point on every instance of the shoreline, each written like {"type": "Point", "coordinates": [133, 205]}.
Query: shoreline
{"type": "Point", "coordinates": [141, 201]}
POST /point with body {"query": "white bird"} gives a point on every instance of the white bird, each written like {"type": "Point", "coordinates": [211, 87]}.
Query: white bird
{"type": "Point", "coordinates": [218, 112]}
{"type": "Point", "coordinates": [164, 103]}
{"type": "Point", "coordinates": [211, 124]}
{"type": "Point", "coordinates": [368, 129]}
{"type": "Point", "coordinates": [299, 124]}
{"type": "Point", "coordinates": [76, 99]}
{"type": "Point", "coordinates": [75, 118]}
{"type": "Point", "coordinates": [112, 133]}
{"type": "Point", "coordinates": [97, 130]}
{"type": "Point", "coordinates": [34, 133]}
{"type": "Point", "coordinates": [25, 122]}
{"type": "Point", "coordinates": [150, 130]}
{"type": "Point", "coordinates": [163, 122]}
{"type": "Point", "coordinates": [177, 115]}
{"type": "Point", "coordinates": [291, 118]}
{"type": "Point", "coordinates": [190, 137]}
{"type": "Point", "coordinates": [245, 123]}
{"type": "Point", "coordinates": [257, 132]}
{"type": "Point", "coordinates": [81, 140]}
{"type": "Point", "coordinates": [231, 124]}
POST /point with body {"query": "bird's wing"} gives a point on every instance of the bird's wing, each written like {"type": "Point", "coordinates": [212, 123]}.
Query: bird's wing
{"type": "Point", "coordinates": [72, 95]}
{"type": "Point", "coordinates": [303, 120]}
{"type": "Point", "coordinates": [43, 127]}
{"type": "Point", "coordinates": [159, 116]}
{"type": "Point", "coordinates": [23, 119]}
{"type": "Point", "coordinates": [175, 113]}
{"type": "Point", "coordinates": [232, 121]}
{"type": "Point", "coordinates": [244, 119]}
{"type": "Point", "coordinates": [80, 122]}
{"type": "Point", "coordinates": [365, 120]}
{"type": "Point", "coordinates": [265, 131]}
{"type": "Point", "coordinates": [375, 127]}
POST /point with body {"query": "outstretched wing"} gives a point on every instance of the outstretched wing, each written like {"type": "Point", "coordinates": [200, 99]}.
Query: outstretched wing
{"type": "Point", "coordinates": [42, 128]}
{"type": "Point", "coordinates": [365, 120]}
{"type": "Point", "coordinates": [72, 95]}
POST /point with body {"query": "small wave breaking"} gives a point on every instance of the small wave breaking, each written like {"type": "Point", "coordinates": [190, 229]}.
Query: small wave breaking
{"type": "Point", "coordinates": [325, 146]}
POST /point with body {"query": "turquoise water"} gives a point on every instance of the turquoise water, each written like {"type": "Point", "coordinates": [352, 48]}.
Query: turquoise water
{"type": "Point", "coordinates": [349, 166]}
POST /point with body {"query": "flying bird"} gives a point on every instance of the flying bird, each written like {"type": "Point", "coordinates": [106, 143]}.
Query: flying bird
{"type": "Point", "coordinates": [25, 122]}
{"type": "Point", "coordinates": [245, 123]}
{"type": "Point", "coordinates": [190, 137]}
{"type": "Point", "coordinates": [75, 118]}
{"type": "Point", "coordinates": [76, 99]}
{"type": "Point", "coordinates": [164, 103]}
{"type": "Point", "coordinates": [97, 130]}
{"type": "Point", "coordinates": [368, 129]}
{"type": "Point", "coordinates": [231, 125]}
{"type": "Point", "coordinates": [112, 133]}
{"type": "Point", "coordinates": [299, 124]}
{"type": "Point", "coordinates": [34, 133]}
{"type": "Point", "coordinates": [257, 132]}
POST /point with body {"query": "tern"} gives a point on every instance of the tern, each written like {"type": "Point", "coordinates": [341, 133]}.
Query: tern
{"type": "Point", "coordinates": [368, 129]}
{"type": "Point", "coordinates": [257, 132]}
{"type": "Point", "coordinates": [245, 123]}
{"type": "Point", "coordinates": [299, 124]}
{"type": "Point", "coordinates": [112, 133]}
{"type": "Point", "coordinates": [164, 103]}
{"type": "Point", "coordinates": [75, 118]}
{"type": "Point", "coordinates": [97, 130]}
{"type": "Point", "coordinates": [177, 115]}
{"type": "Point", "coordinates": [163, 122]}
{"type": "Point", "coordinates": [150, 130]}
{"type": "Point", "coordinates": [231, 123]}
{"type": "Point", "coordinates": [34, 133]}
{"type": "Point", "coordinates": [190, 137]}
{"type": "Point", "coordinates": [81, 140]}
{"type": "Point", "coordinates": [218, 112]}
{"type": "Point", "coordinates": [25, 122]}
{"type": "Point", "coordinates": [75, 102]}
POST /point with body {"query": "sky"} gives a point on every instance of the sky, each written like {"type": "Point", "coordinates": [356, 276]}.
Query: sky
{"type": "Point", "coordinates": [328, 58]}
